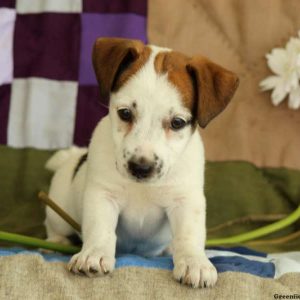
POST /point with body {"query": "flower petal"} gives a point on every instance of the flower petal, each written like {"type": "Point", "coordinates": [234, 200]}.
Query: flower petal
{"type": "Point", "coordinates": [298, 65]}
{"type": "Point", "coordinates": [270, 83]}
{"type": "Point", "coordinates": [278, 60]}
{"type": "Point", "coordinates": [292, 81]}
{"type": "Point", "coordinates": [278, 94]}
{"type": "Point", "coordinates": [294, 99]}
{"type": "Point", "coordinates": [293, 46]}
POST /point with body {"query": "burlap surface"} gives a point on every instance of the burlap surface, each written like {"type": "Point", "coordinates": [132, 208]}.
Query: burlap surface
{"type": "Point", "coordinates": [30, 277]}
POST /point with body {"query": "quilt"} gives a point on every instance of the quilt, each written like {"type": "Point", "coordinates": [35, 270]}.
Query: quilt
{"type": "Point", "coordinates": [49, 97]}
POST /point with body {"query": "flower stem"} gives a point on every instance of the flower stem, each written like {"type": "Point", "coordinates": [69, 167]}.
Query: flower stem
{"type": "Point", "coordinates": [240, 238]}
{"type": "Point", "coordinates": [257, 233]}
{"type": "Point", "coordinates": [39, 243]}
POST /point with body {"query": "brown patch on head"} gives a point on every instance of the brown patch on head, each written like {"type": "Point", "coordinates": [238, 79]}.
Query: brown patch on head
{"type": "Point", "coordinates": [115, 60]}
{"type": "Point", "coordinates": [206, 87]}
{"type": "Point", "coordinates": [174, 64]}
{"type": "Point", "coordinates": [131, 69]}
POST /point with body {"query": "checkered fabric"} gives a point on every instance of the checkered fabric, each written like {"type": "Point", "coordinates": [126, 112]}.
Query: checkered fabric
{"type": "Point", "coordinates": [48, 91]}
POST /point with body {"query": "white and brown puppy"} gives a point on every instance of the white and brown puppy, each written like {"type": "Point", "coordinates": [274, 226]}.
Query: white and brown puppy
{"type": "Point", "coordinates": [139, 188]}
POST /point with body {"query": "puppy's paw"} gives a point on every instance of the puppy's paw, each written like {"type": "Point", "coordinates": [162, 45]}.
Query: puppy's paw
{"type": "Point", "coordinates": [196, 271]}
{"type": "Point", "coordinates": [92, 262]}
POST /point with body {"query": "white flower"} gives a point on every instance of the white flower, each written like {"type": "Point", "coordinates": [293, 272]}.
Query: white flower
{"type": "Point", "coordinates": [285, 63]}
{"type": "Point", "coordinates": [294, 99]}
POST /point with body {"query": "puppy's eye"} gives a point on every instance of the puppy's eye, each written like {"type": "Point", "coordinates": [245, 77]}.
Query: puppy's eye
{"type": "Point", "coordinates": [178, 123]}
{"type": "Point", "coordinates": [125, 114]}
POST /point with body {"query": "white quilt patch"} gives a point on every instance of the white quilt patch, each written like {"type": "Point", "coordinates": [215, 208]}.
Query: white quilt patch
{"type": "Point", "coordinates": [7, 24]}
{"type": "Point", "coordinates": [42, 113]}
{"type": "Point", "coordinates": [36, 6]}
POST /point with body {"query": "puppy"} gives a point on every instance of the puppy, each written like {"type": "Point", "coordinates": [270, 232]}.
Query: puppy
{"type": "Point", "coordinates": [139, 186]}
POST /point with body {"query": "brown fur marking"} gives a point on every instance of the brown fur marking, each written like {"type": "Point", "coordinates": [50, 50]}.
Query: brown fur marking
{"type": "Point", "coordinates": [206, 87]}
{"type": "Point", "coordinates": [134, 67]}
{"type": "Point", "coordinates": [174, 64]}
{"type": "Point", "coordinates": [215, 87]}
{"type": "Point", "coordinates": [115, 60]}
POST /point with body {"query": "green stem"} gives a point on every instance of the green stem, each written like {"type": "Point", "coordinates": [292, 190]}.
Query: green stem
{"type": "Point", "coordinates": [38, 243]}
{"type": "Point", "coordinates": [257, 233]}
{"type": "Point", "coordinates": [240, 238]}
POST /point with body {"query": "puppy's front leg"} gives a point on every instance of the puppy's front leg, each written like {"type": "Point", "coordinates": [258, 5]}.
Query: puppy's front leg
{"type": "Point", "coordinates": [191, 266]}
{"type": "Point", "coordinates": [100, 216]}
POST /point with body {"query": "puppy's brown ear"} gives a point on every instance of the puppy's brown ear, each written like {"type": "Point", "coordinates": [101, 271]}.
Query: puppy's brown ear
{"type": "Point", "coordinates": [214, 87]}
{"type": "Point", "coordinates": [112, 56]}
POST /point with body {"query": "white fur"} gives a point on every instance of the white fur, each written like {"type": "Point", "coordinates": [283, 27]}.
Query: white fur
{"type": "Point", "coordinates": [139, 217]}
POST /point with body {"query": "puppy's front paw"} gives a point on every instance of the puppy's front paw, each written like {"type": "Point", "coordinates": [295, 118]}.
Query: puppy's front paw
{"type": "Point", "coordinates": [196, 271]}
{"type": "Point", "coordinates": [92, 262]}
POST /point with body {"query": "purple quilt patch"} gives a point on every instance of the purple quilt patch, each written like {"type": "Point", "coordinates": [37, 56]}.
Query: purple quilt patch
{"type": "Point", "coordinates": [47, 45]}
{"type": "Point", "coordinates": [105, 25]}
{"type": "Point", "coordinates": [5, 91]}
{"type": "Point", "coordinates": [89, 112]}
{"type": "Point", "coordinates": [8, 3]}
{"type": "Point", "coordinates": [116, 6]}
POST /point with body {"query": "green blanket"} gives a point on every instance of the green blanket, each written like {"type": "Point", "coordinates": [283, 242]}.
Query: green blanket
{"type": "Point", "coordinates": [233, 190]}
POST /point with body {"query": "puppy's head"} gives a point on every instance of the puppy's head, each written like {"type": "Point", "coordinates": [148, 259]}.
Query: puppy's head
{"type": "Point", "coordinates": [157, 98]}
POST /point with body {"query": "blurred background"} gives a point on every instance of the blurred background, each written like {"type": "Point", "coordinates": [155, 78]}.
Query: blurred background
{"type": "Point", "coordinates": [49, 100]}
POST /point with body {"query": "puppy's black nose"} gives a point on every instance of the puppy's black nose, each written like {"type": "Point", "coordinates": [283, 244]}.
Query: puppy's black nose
{"type": "Point", "coordinates": [140, 170]}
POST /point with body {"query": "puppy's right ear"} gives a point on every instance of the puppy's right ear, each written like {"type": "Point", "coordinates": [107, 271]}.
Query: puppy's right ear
{"type": "Point", "coordinates": [111, 57]}
{"type": "Point", "coordinates": [214, 87]}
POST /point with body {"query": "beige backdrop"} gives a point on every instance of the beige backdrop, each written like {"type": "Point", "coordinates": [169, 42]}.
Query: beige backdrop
{"type": "Point", "coordinates": [237, 34]}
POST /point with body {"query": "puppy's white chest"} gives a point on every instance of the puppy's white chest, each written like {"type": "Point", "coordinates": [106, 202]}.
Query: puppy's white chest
{"type": "Point", "coordinates": [142, 225]}
{"type": "Point", "coordinates": [141, 218]}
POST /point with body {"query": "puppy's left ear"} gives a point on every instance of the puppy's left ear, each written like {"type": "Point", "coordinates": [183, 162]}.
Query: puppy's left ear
{"type": "Point", "coordinates": [214, 87]}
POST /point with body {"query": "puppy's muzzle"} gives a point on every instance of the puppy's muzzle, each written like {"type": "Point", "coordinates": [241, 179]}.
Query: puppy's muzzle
{"type": "Point", "coordinates": [141, 169]}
